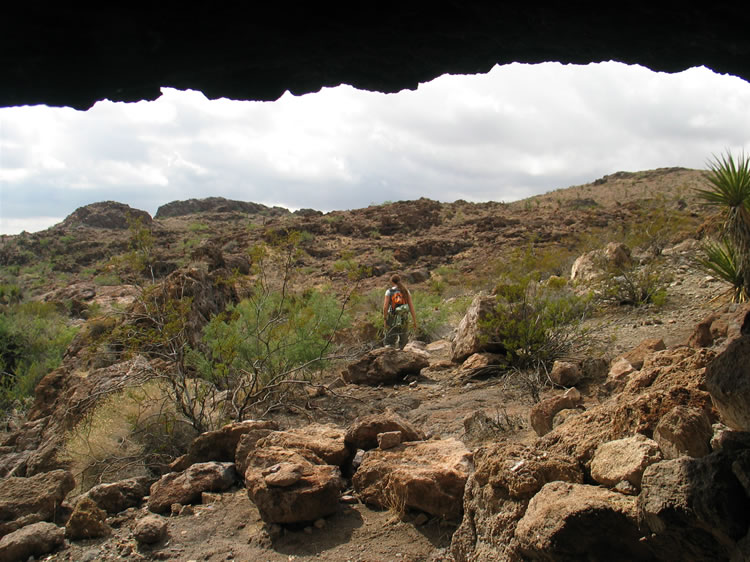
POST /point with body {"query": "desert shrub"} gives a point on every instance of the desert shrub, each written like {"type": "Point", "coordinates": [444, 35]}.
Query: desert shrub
{"type": "Point", "coordinates": [33, 338]}
{"type": "Point", "coordinates": [635, 285]}
{"type": "Point", "coordinates": [436, 316]}
{"type": "Point", "coordinates": [534, 323]}
{"type": "Point", "coordinates": [129, 433]}
{"type": "Point", "coordinates": [10, 294]}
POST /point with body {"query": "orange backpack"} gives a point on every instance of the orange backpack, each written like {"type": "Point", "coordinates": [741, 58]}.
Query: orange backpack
{"type": "Point", "coordinates": [397, 299]}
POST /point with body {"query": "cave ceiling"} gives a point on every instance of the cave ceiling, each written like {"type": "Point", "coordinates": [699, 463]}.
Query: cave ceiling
{"type": "Point", "coordinates": [68, 56]}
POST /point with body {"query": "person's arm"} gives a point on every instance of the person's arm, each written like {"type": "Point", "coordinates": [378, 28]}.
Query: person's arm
{"type": "Point", "coordinates": [411, 309]}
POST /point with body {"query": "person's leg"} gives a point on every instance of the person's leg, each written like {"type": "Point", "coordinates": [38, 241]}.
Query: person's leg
{"type": "Point", "coordinates": [403, 331]}
{"type": "Point", "coordinates": [391, 334]}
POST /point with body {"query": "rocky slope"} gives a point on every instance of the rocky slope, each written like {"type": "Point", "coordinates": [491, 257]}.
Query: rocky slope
{"type": "Point", "coordinates": [619, 460]}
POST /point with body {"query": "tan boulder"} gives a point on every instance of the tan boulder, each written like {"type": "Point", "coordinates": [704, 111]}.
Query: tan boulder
{"type": "Point", "coordinates": [115, 497]}
{"type": "Point", "coordinates": [31, 541]}
{"type": "Point", "coordinates": [565, 373]}
{"type": "Point", "coordinates": [363, 432]}
{"type": "Point", "coordinates": [638, 354]}
{"type": "Point", "coordinates": [325, 440]}
{"type": "Point", "coordinates": [150, 529]}
{"type": "Point", "coordinates": [567, 521]}
{"type": "Point", "coordinates": [426, 475]}
{"type": "Point", "coordinates": [618, 374]}
{"type": "Point", "coordinates": [542, 414]}
{"type": "Point", "coordinates": [385, 365]}
{"type": "Point", "coordinates": [684, 431]}
{"type": "Point", "coordinates": [246, 445]}
{"type": "Point", "coordinates": [470, 337]}
{"type": "Point", "coordinates": [624, 459]}
{"type": "Point", "coordinates": [592, 265]}
{"type": "Point", "coordinates": [186, 487]}
{"type": "Point", "coordinates": [24, 501]}
{"type": "Point", "coordinates": [728, 381]}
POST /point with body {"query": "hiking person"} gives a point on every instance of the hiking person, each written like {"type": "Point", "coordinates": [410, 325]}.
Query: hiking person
{"type": "Point", "coordinates": [396, 308]}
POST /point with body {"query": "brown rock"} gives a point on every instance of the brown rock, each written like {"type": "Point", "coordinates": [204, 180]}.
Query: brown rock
{"type": "Point", "coordinates": [728, 381]}
{"type": "Point", "coordinates": [24, 501]}
{"type": "Point", "coordinates": [186, 487]}
{"type": "Point", "coordinates": [119, 496]}
{"type": "Point", "coordinates": [543, 413]}
{"type": "Point", "coordinates": [469, 334]}
{"type": "Point", "coordinates": [684, 431]}
{"type": "Point", "coordinates": [618, 374]}
{"type": "Point", "coordinates": [87, 521]}
{"type": "Point", "coordinates": [476, 362]}
{"type": "Point", "coordinates": [34, 540]}
{"type": "Point", "coordinates": [567, 521]}
{"type": "Point", "coordinates": [565, 373]}
{"type": "Point", "coordinates": [389, 439]}
{"type": "Point", "coordinates": [283, 474]}
{"type": "Point", "coordinates": [150, 529]}
{"type": "Point", "coordinates": [702, 335]}
{"type": "Point", "coordinates": [363, 432]}
{"type": "Point", "coordinates": [624, 459]}
{"type": "Point", "coordinates": [325, 440]}
{"type": "Point", "coordinates": [384, 366]}
{"type": "Point", "coordinates": [246, 446]}
{"type": "Point", "coordinates": [637, 356]}
{"type": "Point", "coordinates": [426, 475]}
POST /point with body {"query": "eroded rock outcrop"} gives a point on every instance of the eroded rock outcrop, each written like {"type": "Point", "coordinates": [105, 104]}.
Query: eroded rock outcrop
{"type": "Point", "coordinates": [384, 366]}
{"type": "Point", "coordinates": [363, 432]}
{"type": "Point", "coordinates": [624, 459]}
{"type": "Point", "coordinates": [186, 487]}
{"type": "Point", "coordinates": [24, 501]}
{"type": "Point", "coordinates": [469, 334]}
{"type": "Point", "coordinates": [34, 540]}
{"type": "Point", "coordinates": [728, 381]}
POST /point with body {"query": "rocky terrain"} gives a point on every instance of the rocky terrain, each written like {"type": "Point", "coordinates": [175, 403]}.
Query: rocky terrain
{"type": "Point", "coordinates": [632, 446]}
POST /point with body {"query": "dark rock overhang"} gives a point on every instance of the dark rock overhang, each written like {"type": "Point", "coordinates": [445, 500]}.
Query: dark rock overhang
{"type": "Point", "coordinates": [62, 55]}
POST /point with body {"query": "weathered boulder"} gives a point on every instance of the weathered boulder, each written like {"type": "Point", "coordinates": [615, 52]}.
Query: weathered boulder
{"type": "Point", "coordinates": [383, 366]}
{"type": "Point", "coordinates": [618, 374]}
{"type": "Point", "coordinates": [363, 432]}
{"type": "Point", "coordinates": [24, 501]}
{"type": "Point", "coordinates": [638, 354]}
{"type": "Point", "coordinates": [34, 540]}
{"type": "Point", "coordinates": [566, 373]}
{"type": "Point", "coordinates": [389, 439]}
{"type": "Point", "coordinates": [591, 265]}
{"type": "Point", "coordinates": [87, 521]}
{"type": "Point", "coordinates": [325, 440]}
{"type": "Point", "coordinates": [696, 509]}
{"type": "Point", "coordinates": [567, 521]}
{"type": "Point", "coordinates": [469, 334]}
{"type": "Point", "coordinates": [542, 414]}
{"type": "Point", "coordinates": [624, 459]}
{"type": "Point", "coordinates": [118, 496]}
{"type": "Point", "coordinates": [286, 487]}
{"type": "Point", "coordinates": [478, 363]}
{"type": "Point", "coordinates": [425, 475]}
{"type": "Point", "coordinates": [728, 382]}
{"type": "Point", "coordinates": [150, 529]}
{"type": "Point", "coordinates": [246, 446]}
{"type": "Point", "coordinates": [684, 431]}
{"type": "Point", "coordinates": [506, 477]}
{"type": "Point", "coordinates": [186, 487]}
{"type": "Point", "coordinates": [219, 445]}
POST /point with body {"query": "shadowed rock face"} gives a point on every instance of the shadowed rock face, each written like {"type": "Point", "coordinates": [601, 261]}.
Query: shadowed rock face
{"type": "Point", "coordinates": [63, 56]}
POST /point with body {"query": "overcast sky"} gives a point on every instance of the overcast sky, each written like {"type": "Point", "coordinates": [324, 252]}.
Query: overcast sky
{"type": "Point", "coordinates": [517, 131]}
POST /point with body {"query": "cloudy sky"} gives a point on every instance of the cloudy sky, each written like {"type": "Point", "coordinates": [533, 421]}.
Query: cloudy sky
{"type": "Point", "coordinates": [514, 132]}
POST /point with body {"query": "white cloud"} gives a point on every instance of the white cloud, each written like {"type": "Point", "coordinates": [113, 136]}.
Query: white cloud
{"type": "Point", "coordinates": [513, 132]}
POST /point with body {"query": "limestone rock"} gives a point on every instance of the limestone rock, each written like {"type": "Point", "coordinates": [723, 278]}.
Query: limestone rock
{"type": "Point", "coordinates": [624, 459]}
{"type": "Point", "coordinates": [543, 413]}
{"type": "Point", "coordinates": [469, 334]}
{"type": "Point", "coordinates": [567, 521]}
{"type": "Point", "coordinates": [696, 509]}
{"type": "Point", "coordinates": [315, 494]}
{"type": "Point", "coordinates": [118, 496]}
{"type": "Point", "coordinates": [506, 477]}
{"type": "Point", "coordinates": [35, 540]}
{"type": "Point", "coordinates": [363, 432]}
{"type": "Point", "coordinates": [728, 382]}
{"type": "Point", "coordinates": [565, 373]}
{"type": "Point", "coordinates": [684, 431]}
{"type": "Point", "coordinates": [24, 501]}
{"type": "Point", "coordinates": [384, 366]}
{"type": "Point", "coordinates": [325, 440]}
{"type": "Point", "coordinates": [150, 529]}
{"type": "Point", "coordinates": [186, 487]}
{"type": "Point", "coordinates": [427, 475]}
{"type": "Point", "coordinates": [87, 521]}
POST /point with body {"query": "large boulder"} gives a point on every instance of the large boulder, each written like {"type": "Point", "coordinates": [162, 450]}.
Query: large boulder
{"type": "Point", "coordinates": [684, 431]}
{"type": "Point", "coordinates": [624, 459]}
{"type": "Point", "coordinates": [150, 529]}
{"type": "Point", "coordinates": [469, 334]}
{"type": "Point", "coordinates": [363, 432]}
{"type": "Point", "coordinates": [115, 497]}
{"type": "Point", "coordinates": [695, 509]}
{"type": "Point", "coordinates": [506, 477]}
{"type": "Point", "coordinates": [290, 486]}
{"type": "Point", "coordinates": [566, 373]}
{"type": "Point", "coordinates": [186, 487]}
{"type": "Point", "coordinates": [24, 501]}
{"type": "Point", "coordinates": [425, 475]}
{"type": "Point", "coordinates": [728, 382]}
{"type": "Point", "coordinates": [326, 441]}
{"type": "Point", "coordinates": [542, 414]}
{"type": "Point", "coordinates": [34, 540]}
{"type": "Point", "coordinates": [384, 366]}
{"type": "Point", "coordinates": [593, 264]}
{"type": "Point", "coordinates": [567, 521]}
{"type": "Point", "coordinates": [87, 521]}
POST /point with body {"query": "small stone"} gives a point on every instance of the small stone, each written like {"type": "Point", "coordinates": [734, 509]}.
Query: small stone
{"type": "Point", "coordinates": [348, 499]}
{"type": "Point", "coordinates": [151, 529]}
{"type": "Point", "coordinates": [308, 530]}
{"type": "Point", "coordinates": [389, 439]}
{"type": "Point", "coordinates": [421, 519]}
{"type": "Point", "coordinates": [187, 510]}
{"type": "Point", "coordinates": [175, 508]}
{"type": "Point", "coordinates": [625, 487]}
{"type": "Point", "coordinates": [320, 523]}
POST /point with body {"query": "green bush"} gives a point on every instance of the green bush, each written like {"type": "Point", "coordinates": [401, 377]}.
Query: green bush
{"type": "Point", "coordinates": [33, 338]}
{"type": "Point", "coordinates": [721, 260]}
{"type": "Point", "coordinates": [634, 285]}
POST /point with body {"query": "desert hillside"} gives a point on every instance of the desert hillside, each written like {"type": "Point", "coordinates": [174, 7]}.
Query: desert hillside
{"type": "Point", "coordinates": [211, 383]}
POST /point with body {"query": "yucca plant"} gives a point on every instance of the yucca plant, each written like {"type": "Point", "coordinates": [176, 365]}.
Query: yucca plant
{"type": "Point", "coordinates": [720, 259]}
{"type": "Point", "coordinates": [730, 189]}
